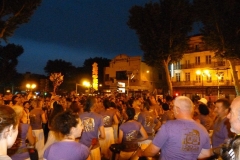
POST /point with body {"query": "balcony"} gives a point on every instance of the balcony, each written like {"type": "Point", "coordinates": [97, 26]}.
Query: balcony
{"type": "Point", "coordinates": [204, 83]}
{"type": "Point", "coordinates": [214, 65]}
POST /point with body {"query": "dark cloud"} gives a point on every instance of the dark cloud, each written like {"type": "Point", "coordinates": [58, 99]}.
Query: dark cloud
{"type": "Point", "coordinates": [76, 30]}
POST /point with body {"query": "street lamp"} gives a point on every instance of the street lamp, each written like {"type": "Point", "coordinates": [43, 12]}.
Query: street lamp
{"type": "Point", "coordinates": [130, 75]}
{"type": "Point", "coordinates": [203, 73]}
{"type": "Point", "coordinates": [219, 76]}
{"type": "Point", "coordinates": [87, 84]}
{"type": "Point", "coordinates": [77, 84]}
{"type": "Point", "coordinates": [30, 86]}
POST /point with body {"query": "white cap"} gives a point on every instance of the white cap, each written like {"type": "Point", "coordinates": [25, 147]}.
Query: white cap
{"type": "Point", "coordinates": [203, 100]}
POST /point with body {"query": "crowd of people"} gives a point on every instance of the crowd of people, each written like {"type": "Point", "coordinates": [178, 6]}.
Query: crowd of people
{"type": "Point", "coordinates": [89, 127]}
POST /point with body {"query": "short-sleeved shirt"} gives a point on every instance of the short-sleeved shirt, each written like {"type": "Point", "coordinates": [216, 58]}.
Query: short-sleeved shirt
{"type": "Point", "coordinates": [66, 150]}
{"type": "Point", "coordinates": [20, 143]}
{"type": "Point", "coordinates": [181, 140]}
{"type": "Point", "coordinates": [206, 121]}
{"type": "Point", "coordinates": [91, 121]}
{"type": "Point", "coordinates": [221, 132]}
{"type": "Point", "coordinates": [148, 121]}
{"type": "Point", "coordinates": [36, 118]}
{"type": "Point", "coordinates": [167, 115]}
{"type": "Point", "coordinates": [130, 130]}
{"type": "Point", "coordinates": [5, 157]}
{"type": "Point", "coordinates": [108, 117]}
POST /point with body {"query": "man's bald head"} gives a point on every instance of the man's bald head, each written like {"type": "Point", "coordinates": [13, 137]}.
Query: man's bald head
{"type": "Point", "coordinates": [184, 104]}
{"type": "Point", "coordinates": [234, 115]}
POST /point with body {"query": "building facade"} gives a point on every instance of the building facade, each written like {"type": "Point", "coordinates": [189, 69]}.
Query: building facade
{"type": "Point", "coordinates": [199, 72]}
{"type": "Point", "coordinates": [127, 74]}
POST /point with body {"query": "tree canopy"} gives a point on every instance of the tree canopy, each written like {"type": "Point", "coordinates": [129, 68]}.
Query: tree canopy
{"type": "Point", "coordinates": [65, 68]}
{"type": "Point", "coordinates": [72, 74]}
{"type": "Point", "coordinates": [8, 62]}
{"type": "Point", "coordinates": [162, 29]}
{"type": "Point", "coordinates": [59, 65]}
{"type": "Point", "coordinates": [221, 25]}
{"type": "Point", "coordinates": [13, 13]}
{"type": "Point", "coordinates": [221, 30]}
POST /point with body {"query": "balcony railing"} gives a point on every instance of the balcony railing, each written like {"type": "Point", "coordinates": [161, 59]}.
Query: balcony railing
{"type": "Point", "coordinates": [216, 65]}
{"type": "Point", "coordinates": [204, 83]}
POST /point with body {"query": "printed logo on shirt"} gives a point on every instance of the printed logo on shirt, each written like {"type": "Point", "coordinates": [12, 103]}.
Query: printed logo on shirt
{"type": "Point", "coordinates": [106, 120]}
{"type": "Point", "coordinates": [136, 116]}
{"type": "Point", "coordinates": [148, 121]}
{"type": "Point", "coordinates": [131, 135]}
{"type": "Point", "coordinates": [191, 141]}
{"type": "Point", "coordinates": [89, 124]}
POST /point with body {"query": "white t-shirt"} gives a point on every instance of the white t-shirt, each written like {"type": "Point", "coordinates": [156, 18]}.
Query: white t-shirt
{"type": "Point", "coordinates": [5, 157]}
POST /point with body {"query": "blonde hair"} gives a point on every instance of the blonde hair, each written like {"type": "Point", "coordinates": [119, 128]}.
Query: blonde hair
{"type": "Point", "coordinates": [19, 112]}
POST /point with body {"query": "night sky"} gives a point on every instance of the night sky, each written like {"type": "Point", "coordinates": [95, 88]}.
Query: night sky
{"type": "Point", "coordinates": [74, 31]}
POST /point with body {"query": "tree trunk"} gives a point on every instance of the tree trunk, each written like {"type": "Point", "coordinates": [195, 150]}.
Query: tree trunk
{"type": "Point", "coordinates": [168, 78]}
{"type": "Point", "coordinates": [54, 89]}
{"type": "Point", "coordinates": [232, 64]}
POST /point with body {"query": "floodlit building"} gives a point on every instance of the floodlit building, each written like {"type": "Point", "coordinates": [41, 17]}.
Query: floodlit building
{"type": "Point", "coordinates": [199, 72]}
{"type": "Point", "coordinates": [130, 74]}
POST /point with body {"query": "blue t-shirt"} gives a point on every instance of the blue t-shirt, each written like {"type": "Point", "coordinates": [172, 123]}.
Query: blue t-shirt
{"type": "Point", "coordinates": [148, 121]}
{"type": "Point", "coordinates": [91, 121]}
{"type": "Point", "coordinates": [108, 117]}
{"type": "Point", "coordinates": [221, 132]}
{"type": "Point", "coordinates": [130, 129]}
{"type": "Point", "coordinates": [181, 140]}
{"type": "Point", "coordinates": [66, 150]}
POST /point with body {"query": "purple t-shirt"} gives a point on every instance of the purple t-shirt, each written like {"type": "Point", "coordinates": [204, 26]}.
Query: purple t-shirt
{"type": "Point", "coordinates": [20, 143]}
{"type": "Point", "coordinates": [221, 132]}
{"type": "Point", "coordinates": [108, 117]}
{"type": "Point", "coordinates": [91, 121]}
{"type": "Point", "coordinates": [148, 121]}
{"type": "Point", "coordinates": [66, 150]}
{"type": "Point", "coordinates": [181, 140]}
{"type": "Point", "coordinates": [130, 130]}
{"type": "Point", "coordinates": [36, 118]}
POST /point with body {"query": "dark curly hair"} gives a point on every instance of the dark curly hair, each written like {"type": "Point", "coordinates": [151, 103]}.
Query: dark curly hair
{"type": "Point", "coordinates": [130, 113]}
{"type": "Point", "coordinates": [106, 103]}
{"type": "Point", "coordinates": [63, 122]}
{"type": "Point", "coordinates": [75, 107]}
{"type": "Point", "coordinates": [89, 104]}
{"type": "Point", "coordinates": [203, 109]}
{"type": "Point", "coordinates": [58, 108]}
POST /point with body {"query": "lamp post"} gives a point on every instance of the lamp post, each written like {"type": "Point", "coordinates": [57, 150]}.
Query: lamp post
{"type": "Point", "coordinates": [30, 86]}
{"type": "Point", "coordinates": [77, 84]}
{"type": "Point", "coordinates": [203, 73]}
{"type": "Point", "coordinates": [130, 75]}
{"type": "Point", "coordinates": [219, 76]}
{"type": "Point", "coordinates": [87, 84]}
